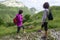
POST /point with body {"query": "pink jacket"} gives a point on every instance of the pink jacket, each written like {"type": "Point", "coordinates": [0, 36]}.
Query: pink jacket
{"type": "Point", "coordinates": [20, 20]}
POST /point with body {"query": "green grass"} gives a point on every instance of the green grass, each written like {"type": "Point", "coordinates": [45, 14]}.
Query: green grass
{"type": "Point", "coordinates": [12, 30]}
{"type": "Point", "coordinates": [7, 30]}
{"type": "Point", "coordinates": [8, 13]}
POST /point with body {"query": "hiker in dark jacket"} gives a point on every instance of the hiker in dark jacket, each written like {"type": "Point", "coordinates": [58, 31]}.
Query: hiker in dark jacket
{"type": "Point", "coordinates": [45, 18]}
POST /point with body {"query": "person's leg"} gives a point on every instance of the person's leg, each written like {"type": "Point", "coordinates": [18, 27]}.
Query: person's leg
{"type": "Point", "coordinates": [45, 33]}
{"type": "Point", "coordinates": [42, 26]}
{"type": "Point", "coordinates": [18, 29]}
{"type": "Point", "coordinates": [23, 29]}
{"type": "Point", "coordinates": [46, 29]}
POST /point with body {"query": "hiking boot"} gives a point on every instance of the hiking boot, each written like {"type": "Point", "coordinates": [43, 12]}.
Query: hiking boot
{"type": "Point", "coordinates": [44, 37]}
{"type": "Point", "coordinates": [39, 30]}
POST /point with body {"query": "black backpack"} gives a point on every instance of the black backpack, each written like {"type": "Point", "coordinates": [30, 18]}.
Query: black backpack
{"type": "Point", "coordinates": [50, 16]}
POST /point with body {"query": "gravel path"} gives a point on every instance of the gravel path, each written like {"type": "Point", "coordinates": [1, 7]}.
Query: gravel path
{"type": "Point", "coordinates": [53, 35]}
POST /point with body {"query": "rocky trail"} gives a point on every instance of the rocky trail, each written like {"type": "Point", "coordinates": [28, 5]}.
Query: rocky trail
{"type": "Point", "coordinates": [52, 35]}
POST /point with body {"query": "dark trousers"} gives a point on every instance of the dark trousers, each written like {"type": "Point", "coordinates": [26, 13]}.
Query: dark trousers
{"type": "Point", "coordinates": [45, 26]}
{"type": "Point", "coordinates": [18, 28]}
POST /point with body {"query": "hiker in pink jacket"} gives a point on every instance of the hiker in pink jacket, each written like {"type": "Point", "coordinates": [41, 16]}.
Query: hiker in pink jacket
{"type": "Point", "coordinates": [20, 19]}
{"type": "Point", "coordinates": [19, 23]}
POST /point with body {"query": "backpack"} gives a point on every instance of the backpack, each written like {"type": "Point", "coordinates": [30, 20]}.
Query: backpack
{"type": "Point", "coordinates": [15, 20]}
{"type": "Point", "coordinates": [50, 16]}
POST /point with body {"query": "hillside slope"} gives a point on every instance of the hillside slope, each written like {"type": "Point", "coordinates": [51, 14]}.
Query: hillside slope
{"type": "Point", "coordinates": [56, 14]}
{"type": "Point", "coordinates": [8, 13]}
